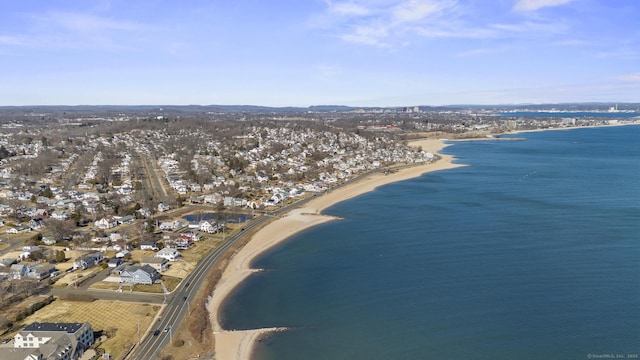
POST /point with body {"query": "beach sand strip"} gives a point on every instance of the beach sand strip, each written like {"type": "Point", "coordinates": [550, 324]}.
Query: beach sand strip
{"type": "Point", "coordinates": [239, 344]}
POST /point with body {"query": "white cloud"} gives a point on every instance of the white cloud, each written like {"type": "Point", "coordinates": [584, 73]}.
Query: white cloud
{"type": "Point", "coordinates": [83, 22]}
{"type": "Point", "coordinates": [73, 30]}
{"type": "Point", "coordinates": [11, 40]}
{"type": "Point", "coordinates": [391, 23]}
{"type": "Point", "coordinates": [416, 10]}
{"type": "Point", "coordinates": [533, 5]}
{"type": "Point", "coordinates": [532, 27]}
{"type": "Point", "coordinates": [480, 51]}
{"type": "Point", "coordinates": [348, 8]}
{"type": "Point", "coordinates": [635, 77]}
{"type": "Point", "coordinates": [380, 23]}
{"type": "Point", "coordinates": [374, 34]}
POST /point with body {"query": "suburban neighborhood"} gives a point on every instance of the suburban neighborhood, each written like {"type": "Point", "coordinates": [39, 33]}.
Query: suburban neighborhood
{"type": "Point", "coordinates": [99, 205]}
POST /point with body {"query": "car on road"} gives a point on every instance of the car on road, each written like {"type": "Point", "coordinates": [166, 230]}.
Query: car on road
{"type": "Point", "coordinates": [184, 298]}
{"type": "Point", "coordinates": [155, 333]}
{"type": "Point", "coordinates": [167, 329]}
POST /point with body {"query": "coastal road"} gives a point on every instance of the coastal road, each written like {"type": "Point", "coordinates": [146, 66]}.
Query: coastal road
{"type": "Point", "coordinates": [178, 303]}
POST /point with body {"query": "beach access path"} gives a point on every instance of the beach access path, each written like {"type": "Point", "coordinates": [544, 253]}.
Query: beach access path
{"type": "Point", "coordinates": [239, 344]}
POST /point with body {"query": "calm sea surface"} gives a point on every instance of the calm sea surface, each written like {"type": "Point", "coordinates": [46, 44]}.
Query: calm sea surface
{"type": "Point", "coordinates": [531, 252]}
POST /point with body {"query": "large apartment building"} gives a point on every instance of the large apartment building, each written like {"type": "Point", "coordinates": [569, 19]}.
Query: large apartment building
{"type": "Point", "coordinates": [50, 341]}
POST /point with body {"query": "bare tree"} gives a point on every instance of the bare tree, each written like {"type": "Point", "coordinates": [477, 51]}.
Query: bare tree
{"type": "Point", "coordinates": [60, 229]}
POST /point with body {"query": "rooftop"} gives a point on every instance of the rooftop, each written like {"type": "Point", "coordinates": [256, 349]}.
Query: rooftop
{"type": "Point", "coordinates": [66, 327]}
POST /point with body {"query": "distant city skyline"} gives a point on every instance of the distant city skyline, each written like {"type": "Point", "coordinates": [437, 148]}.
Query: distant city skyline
{"type": "Point", "coordinates": [314, 52]}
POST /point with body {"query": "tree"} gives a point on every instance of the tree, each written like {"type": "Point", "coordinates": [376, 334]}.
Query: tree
{"type": "Point", "coordinates": [47, 193]}
{"type": "Point", "coordinates": [36, 255]}
{"type": "Point", "coordinates": [60, 256]}
{"type": "Point", "coordinates": [150, 225]}
{"type": "Point", "coordinates": [60, 229]}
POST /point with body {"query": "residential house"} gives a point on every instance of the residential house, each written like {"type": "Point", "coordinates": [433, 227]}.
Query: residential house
{"type": "Point", "coordinates": [190, 235]}
{"type": "Point", "coordinates": [114, 262]}
{"type": "Point", "coordinates": [106, 223]}
{"type": "Point", "coordinates": [114, 236]}
{"type": "Point", "coordinates": [87, 261]}
{"type": "Point", "coordinates": [42, 271]}
{"type": "Point", "coordinates": [48, 240]}
{"type": "Point", "coordinates": [60, 215]}
{"type": "Point", "coordinates": [145, 213]}
{"type": "Point", "coordinates": [126, 219]}
{"type": "Point", "coordinates": [27, 250]}
{"type": "Point", "coordinates": [171, 225]}
{"type": "Point", "coordinates": [144, 274]}
{"type": "Point", "coordinates": [208, 227]}
{"type": "Point", "coordinates": [36, 224]}
{"type": "Point", "coordinates": [149, 245]}
{"type": "Point", "coordinates": [160, 264]}
{"type": "Point", "coordinates": [169, 254]}
{"type": "Point", "coordinates": [162, 207]}
{"type": "Point", "coordinates": [181, 243]}
{"type": "Point", "coordinates": [40, 213]}
{"type": "Point", "coordinates": [58, 341]}
{"type": "Point", "coordinates": [123, 254]}
{"type": "Point", "coordinates": [18, 230]}
{"type": "Point", "coordinates": [18, 271]}
{"type": "Point", "coordinates": [6, 210]}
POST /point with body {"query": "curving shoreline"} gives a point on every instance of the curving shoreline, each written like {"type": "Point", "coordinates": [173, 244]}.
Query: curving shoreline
{"type": "Point", "coordinates": [238, 345]}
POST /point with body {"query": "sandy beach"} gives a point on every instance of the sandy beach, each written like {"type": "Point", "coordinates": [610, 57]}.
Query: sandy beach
{"type": "Point", "coordinates": [238, 345]}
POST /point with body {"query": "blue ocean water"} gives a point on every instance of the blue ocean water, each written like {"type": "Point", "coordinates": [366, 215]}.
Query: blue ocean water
{"type": "Point", "coordinates": [531, 252]}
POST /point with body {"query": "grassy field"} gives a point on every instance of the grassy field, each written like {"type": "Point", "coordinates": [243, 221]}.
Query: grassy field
{"type": "Point", "coordinates": [106, 316]}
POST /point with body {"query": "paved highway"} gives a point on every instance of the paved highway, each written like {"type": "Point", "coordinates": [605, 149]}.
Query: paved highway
{"type": "Point", "coordinates": [178, 303]}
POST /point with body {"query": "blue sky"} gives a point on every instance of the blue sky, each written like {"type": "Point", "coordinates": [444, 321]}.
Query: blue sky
{"type": "Point", "coordinates": [312, 52]}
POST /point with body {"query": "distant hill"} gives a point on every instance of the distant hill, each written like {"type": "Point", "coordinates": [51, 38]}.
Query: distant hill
{"type": "Point", "coordinates": [177, 109]}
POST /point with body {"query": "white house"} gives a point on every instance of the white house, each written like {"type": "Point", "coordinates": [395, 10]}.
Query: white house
{"type": "Point", "coordinates": [106, 223]}
{"type": "Point", "coordinates": [163, 207]}
{"type": "Point", "coordinates": [208, 227]}
{"type": "Point", "coordinates": [18, 271]}
{"type": "Point", "coordinates": [59, 215]}
{"type": "Point", "coordinates": [149, 245]}
{"type": "Point", "coordinates": [169, 254]}
{"type": "Point", "coordinates": [41, 341]}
